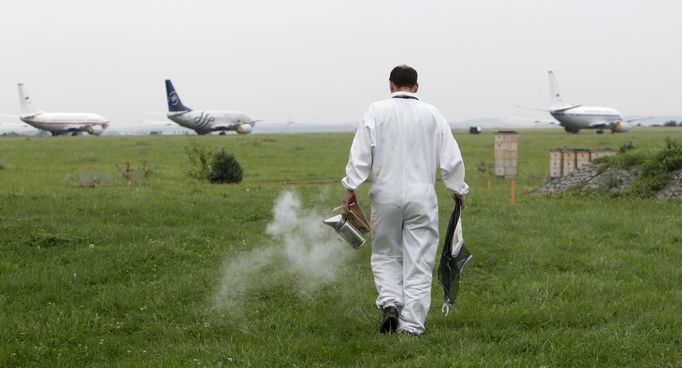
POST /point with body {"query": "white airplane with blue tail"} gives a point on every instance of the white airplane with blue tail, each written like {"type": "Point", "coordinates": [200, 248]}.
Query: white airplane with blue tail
{"type": "Point", "coordinates": [205, 122]}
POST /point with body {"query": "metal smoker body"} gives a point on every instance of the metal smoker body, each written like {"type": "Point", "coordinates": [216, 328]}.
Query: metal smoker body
{"type": "Point", "coordinates": [352, 229]}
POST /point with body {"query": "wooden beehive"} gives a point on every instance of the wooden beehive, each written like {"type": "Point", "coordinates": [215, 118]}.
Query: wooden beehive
{"type": "Point", "coordinates": [582, 158]}
{"type": "Point", "coordinates": [506, 154]}
{"type": "Point", "coordinates": [568, 161]}
{"type": "Point", "coordinates": [555, 163]}
{"type": "Point", "coordinates": [563, 161]}
{"type": "Point", "coordinates": [602, 152]}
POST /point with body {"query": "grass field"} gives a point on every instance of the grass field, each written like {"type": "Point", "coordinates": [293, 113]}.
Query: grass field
{"type": "Point", "coordinates": [126, 275]}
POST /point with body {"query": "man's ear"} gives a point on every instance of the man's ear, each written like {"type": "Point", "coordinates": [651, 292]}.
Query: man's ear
{"type": "Point", "coordinates": [415, 88]}
{"type": "Point", "coordinates": [392, 86]}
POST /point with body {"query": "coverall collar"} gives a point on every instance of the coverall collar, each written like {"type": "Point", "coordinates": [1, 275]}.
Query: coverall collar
{"type": "Point", "coordinates": [404, 94]}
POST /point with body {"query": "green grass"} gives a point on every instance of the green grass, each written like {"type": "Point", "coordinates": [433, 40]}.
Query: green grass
{"type": "Point", "coordinates": [124, 275]}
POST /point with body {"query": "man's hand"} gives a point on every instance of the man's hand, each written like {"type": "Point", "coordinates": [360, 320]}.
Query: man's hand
{"type": "Point", "coordinates": [348, 198]}
{"type": "Point", "coordinates": [459, 199]}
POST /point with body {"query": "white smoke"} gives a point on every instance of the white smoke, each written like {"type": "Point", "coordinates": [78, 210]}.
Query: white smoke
{"type": "Point", "coordinates": [303, 248]}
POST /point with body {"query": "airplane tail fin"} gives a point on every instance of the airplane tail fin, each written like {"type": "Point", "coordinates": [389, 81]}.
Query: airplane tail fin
{"type": "Point", "coordinates": [174, 103]}
{"type": "Point", "coordinates": [25, 104]}
{"type": "Point", "coordinates": [554, 94]}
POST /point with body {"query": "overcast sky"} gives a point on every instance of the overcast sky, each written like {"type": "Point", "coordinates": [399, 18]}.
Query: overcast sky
{"type": "Point", "coordinates": [325, 61]}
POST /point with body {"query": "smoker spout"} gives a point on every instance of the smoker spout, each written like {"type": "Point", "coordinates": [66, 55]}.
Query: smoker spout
{"type": "Point", "coordinates": [335, 221]}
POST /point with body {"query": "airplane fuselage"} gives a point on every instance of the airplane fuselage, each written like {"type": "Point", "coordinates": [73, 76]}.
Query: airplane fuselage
{"type": "Point", "coordinates": [587, 117]}
{"type": "Point", "coordinates": [204, 122]}
{"type": "Point", "coordinates": [64, 122]}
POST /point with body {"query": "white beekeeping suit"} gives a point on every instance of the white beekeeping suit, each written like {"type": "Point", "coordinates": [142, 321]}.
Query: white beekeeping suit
{"type": "Point", "coordinates": [401, 144]}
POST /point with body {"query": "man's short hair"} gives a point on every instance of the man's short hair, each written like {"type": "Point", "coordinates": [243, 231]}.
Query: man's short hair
{"type": "Point", "coordinates": [403, 76]}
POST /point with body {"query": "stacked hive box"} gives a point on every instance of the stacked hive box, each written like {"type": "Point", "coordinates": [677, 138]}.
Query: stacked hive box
{"type": "Point", "coordinates": [582, 157]}
{"type": "Point", "coordinates": [555, 163]}
{"type": "Point", "coordinates": [506, 154]}
{"type": "Point", "coordinates": [568, 162]}
{"type": "Point", "coordinates": [602, 152]}
{"type": "Point", "coordinates": [562, 161]}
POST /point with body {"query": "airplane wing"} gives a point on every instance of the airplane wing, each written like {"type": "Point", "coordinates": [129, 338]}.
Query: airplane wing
{"type": "Point", "coordinates": [638, 119]}
{"type": "Point", "coordinates": [74, 128]}
{"type": "Point", "coordinates": [233, 126]}
{"type": "Point", "coordinates": [616, 126]}
{"type": "Point", "coordinates": [600, 124]}
{"type": "Point", "coordinates": [611, 123]}
{"type": "Point", "coordinates": [546, 110]}
{"type": "Point", "coordinates": [531, 108]}
{"type": "Point", "coordinates": [566, 108]}
{"type": "Point", "coordinates": [536, 121]}
{"type": "Point", "coordinates": [224, 127]}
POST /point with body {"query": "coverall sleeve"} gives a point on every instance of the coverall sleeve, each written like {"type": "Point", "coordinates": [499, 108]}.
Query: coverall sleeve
{"type": "Point", "coordinates": [451, 163]}
{"type": "Point", "coordinates": [361, 154]}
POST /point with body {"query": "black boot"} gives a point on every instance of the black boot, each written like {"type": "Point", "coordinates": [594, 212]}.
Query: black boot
{"type": "Point", "coordinates": [390, 321]}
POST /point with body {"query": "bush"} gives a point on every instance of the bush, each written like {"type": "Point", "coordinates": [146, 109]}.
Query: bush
{"type": "Point", "coordinates": [656, 170]}
{"type": "Point", "coordinates": [131, 175]}
{"type": "Point", "coordinates": [623, 161]}
{"type": "Point", "coordinates": [200, 158]}
{"type": "Point", "coordinates": [225, 169]}
{"type": "Point", "coordinates": [626, 147]}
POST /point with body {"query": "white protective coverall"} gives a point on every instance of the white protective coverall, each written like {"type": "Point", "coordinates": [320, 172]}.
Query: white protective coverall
{"type": "Point", "coordinates": [401, 143]}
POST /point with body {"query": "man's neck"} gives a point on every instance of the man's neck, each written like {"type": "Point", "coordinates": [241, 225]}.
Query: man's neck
{"type": "Point", "coordinates": [410, 89]}
{"type": "Point", "coordinates": [396, 88]}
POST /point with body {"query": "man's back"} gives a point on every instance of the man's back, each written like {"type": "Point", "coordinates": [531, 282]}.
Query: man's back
{"type": "Point", "coordinates": [408, 140]}
{"type": "Point", "coordinates": [407, 137]}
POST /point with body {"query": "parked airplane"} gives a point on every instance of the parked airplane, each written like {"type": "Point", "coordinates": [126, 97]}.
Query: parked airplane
{"type": "Point", "coordinates": [204, 122]}
{"type": "Point", "coordinates": [576, 117]}
{"type": "Point", "coordinates": [58, 123]}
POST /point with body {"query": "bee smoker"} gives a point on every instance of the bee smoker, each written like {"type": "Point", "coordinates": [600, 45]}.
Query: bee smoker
{"type": "Point", "coordinates": [351, 227]}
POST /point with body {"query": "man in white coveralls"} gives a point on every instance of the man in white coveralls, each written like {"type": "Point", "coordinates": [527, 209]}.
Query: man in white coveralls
{"type": "Point", "coordinates": [401, 143]}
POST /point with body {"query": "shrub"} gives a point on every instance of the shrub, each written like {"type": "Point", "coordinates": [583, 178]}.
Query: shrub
{"type": "Point", "coordinates": [623, 161]}
{"type": "Point", "coordinates": [626, 147]}
{"type": "Point", "coordinates": [656, 170]}
{"type": "Point", "coordinates": [131, 175]}
{"type": "Point", "coordinates": [225, 169]}
{"type": "Point", "coordinates": [200, 158]}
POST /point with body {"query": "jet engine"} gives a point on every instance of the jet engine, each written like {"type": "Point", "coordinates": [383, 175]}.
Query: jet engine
{"type": "Point", "coordinates": [620, 127]}
{"type": "Point", "coordinates": [244, 129]}
{"type": "Point", "coordinates": [94, 130]}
